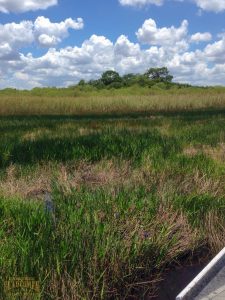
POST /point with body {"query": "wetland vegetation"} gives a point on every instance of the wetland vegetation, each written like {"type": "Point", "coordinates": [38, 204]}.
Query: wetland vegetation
{"type": "Point", "coordinates": [137, 180]}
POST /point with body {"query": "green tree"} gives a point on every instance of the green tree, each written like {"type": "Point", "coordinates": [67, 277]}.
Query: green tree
{"type": "Point", "coordinates": [129, 79]}
{"type": "Point", "coordinates": [159, 74]}
{"type": "Point", "coordinates": [81, 82]}
{"type": "Point", "coordinates": [110, 77]}
{"type": "Point", "coordinates": [97, 83]}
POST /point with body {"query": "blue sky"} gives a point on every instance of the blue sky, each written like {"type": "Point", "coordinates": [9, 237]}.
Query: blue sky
{"type": "Point", "coordinates": [56, 43]}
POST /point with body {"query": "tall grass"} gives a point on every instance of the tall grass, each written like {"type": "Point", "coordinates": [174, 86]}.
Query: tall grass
{"type": "Point", "coordinates": [62, 102]}
{"type": "Point", "coordinates": [102, 246]}
{"type": "Point", "coordinates": [137, 184]}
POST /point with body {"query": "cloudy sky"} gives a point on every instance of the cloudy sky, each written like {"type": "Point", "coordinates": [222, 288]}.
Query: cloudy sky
{"type": "Point", "coordinates": [59, 42]}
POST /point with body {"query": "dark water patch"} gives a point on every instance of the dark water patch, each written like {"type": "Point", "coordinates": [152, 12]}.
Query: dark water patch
{"type": "Point", "coordinates": [178, 275]}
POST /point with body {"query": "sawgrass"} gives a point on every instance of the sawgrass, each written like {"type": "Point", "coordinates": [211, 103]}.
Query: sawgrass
{"type": "Point", "coordinates": [136, 186]}
{"type": "Point", "coordinates": [130, 100]}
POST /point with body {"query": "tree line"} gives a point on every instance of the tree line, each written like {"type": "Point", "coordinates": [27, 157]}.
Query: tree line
{"type": "Point", "coordinates": [112, 79]}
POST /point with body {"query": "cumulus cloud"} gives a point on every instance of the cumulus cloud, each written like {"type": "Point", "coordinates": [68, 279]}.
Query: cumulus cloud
{"type": "Point", "coordinates": [150, 34]}
{"type": "Point", "coordinates": [18, 6]}
{"type": "Point", "coordinates": [124, 48]}
{"type": "Point", "coordinates": [207, 5]}
{"type": "Point", "coordinates": [201, 37]}
{"type": "Point", "coordinates": [168, 46]}
{"type": "Point", "coordinates": [128, 56]}
{"type": "Point", "coordinates": [17, 35]}
{"type": "Point", "coordinates": [211, 5]}
{"type": "Point", "coordinates": [14, 36]}
{"type": "Point", "coordinates": [50, 34]}
{"type": "Point", "coordinates": [215, 52]}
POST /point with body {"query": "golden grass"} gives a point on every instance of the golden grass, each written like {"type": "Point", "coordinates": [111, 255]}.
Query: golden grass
{"type": "Point", "coordinates": [18, 104]}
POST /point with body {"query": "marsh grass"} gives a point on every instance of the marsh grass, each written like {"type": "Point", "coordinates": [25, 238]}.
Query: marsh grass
{"type": "Point", "coordinates": [136, 187]}
{"type": "Point", "coordinates": [117, 102]}
{"type": "Point", "coordinates": [103, 251]}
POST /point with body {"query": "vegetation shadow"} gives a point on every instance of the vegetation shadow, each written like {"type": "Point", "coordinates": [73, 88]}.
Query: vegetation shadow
{"type": "Point", "coordinates": [196, 113]}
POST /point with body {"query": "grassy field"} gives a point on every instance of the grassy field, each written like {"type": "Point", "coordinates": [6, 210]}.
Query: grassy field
{"type": "Point", "coordinates": [137, 183]}
{"type": "Point", "coordinates": [108, 101]}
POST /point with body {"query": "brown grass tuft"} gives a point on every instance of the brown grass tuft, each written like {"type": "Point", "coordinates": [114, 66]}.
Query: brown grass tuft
{"type": "Point", "coordinates": [215, 231]}
{"type": "Point", "coordinates": [216, 153]}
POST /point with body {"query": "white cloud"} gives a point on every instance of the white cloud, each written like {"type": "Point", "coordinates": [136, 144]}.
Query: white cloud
{"type": "Point", "coordinates": [207, 5]}
{"type": "Point", "coordinates": [211, 5]}
{"type": "Point", "coordinates": [128, 56]}
{"type": "Point", "coordinates": [47, 40]}
{"type": "Point", "coordinates": [168, 46]}
{"type": "Point", "coordinates": [14, 36]}
{"type": "Point", "coordinates": [151, 35]}
{"type": "Point", "coordinates": [140, 2]}
{"type": "Point", "coordinates": [18, 6]}
{"type": "Point", "coordinates": [123, 47]}
{"type": "Point", "coordinates": [71, 63]}
{"type": "Point", "coordinates": [216, 52]}
{"type": "Point", "coordinates": [17, 35]}
{"type": "Point", "coordinates": [5, 51]}
{"type": "Point", "coordinates": [201, 37]}
{"type": "Point", "coordinates": [50, 34]}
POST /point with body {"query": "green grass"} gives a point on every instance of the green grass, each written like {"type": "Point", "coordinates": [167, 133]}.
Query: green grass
{"type": "Point", "coordinates": [136, 186]}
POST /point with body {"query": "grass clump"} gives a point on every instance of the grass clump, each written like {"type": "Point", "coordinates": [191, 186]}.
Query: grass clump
{"type": "Point", "coordinates": [100, 251]}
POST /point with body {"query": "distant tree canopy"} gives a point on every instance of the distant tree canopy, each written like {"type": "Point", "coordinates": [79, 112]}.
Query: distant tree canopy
{"type": "Point", "coordinates": [159, 74]}
{"type": "Point", "coordinates": [112, 79]}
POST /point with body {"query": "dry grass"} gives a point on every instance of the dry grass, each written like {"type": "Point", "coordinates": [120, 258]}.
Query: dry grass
{"type": "Point", "coordinates": [200, 184]}
{"type": "Point", "coordinates": [215, 231]}
{"type": "Point", "coordinates": [217, 153]}
{"type": "Point", "coordinates": [31, 186]}
{"type": "Point", "coordinates": [191, 151]}
{"type": "Point", "coordinates": [17, 104]}
{"type": "Point", "coordinates": [179, 233]}
{"type": "Point", "coordinates": [107, 174]}
{"type": "Point", "coordinates": [33, 135]}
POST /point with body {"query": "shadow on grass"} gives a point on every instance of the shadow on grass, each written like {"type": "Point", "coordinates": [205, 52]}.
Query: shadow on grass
{"type": "Point", "coordinates": [94, 147]}
{"type": "Point", "coordinates": [109, 143]}
{"type": "Point", "coordinates": [196, 113]}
